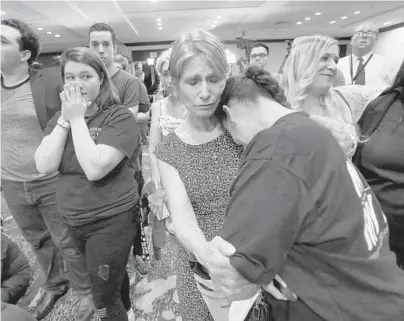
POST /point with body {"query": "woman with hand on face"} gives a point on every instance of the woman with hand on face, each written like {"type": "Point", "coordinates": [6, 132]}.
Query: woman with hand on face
{"type": "Point", "coordinates": [197, 163]}
{"type": "Point", "coordinates": [308, 80]}
{"type": "Point", "coordinates": [167, 115]}
{"type": "Point", "coordinates": [91, 142]}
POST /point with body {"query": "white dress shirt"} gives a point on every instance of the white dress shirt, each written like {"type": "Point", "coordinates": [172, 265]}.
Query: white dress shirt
{"type": "Point", "coordinates": [378, 72]}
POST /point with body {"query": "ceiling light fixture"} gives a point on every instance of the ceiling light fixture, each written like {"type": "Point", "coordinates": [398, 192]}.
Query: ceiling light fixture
{"type": "Point", "coordinates": [317, 14]}
{"type": "Point", "coordinates": [160, 27]}
{"type": "Point", "coordinates": [299, 23]}
{"type": "Point", "coordinates": [214, 22]}
{"type": "Point", "coordinates": [357, 12]}
{"type": "Point", "coordinates": [332, 22]}
{"type": "Point", "coordinates": [307, 19]}
{"type": "Point", "coordinates": [40, 28]}
{"type": "Point", "coordinates": [386, 23]}
{"type": "Point", "coordinates": [158, 19]}
{"type": "Point", "coordinates": [57, 36]}
{"type": "Point", "coordinates": [343, 17]}
{"type": "Point", "coordinates": [219, 17]}
{"type": "Point", "coordinates": [159, 23]}
{"type": "Point", "coordinates": [3, 12]}
{"type": "Point", "coordinates": [213, 26]}
{"type": "Point", "coordinates": [49, 32]}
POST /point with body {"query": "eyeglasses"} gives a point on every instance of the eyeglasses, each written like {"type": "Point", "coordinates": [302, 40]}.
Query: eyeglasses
{"type": "Point", "coordinates": [261, 55]}
{"type": "Point", "coordinates": [365, 33]}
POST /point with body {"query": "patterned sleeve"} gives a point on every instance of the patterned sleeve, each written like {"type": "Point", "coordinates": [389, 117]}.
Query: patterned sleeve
{"type": "Point", "coordinates": [358, 97]}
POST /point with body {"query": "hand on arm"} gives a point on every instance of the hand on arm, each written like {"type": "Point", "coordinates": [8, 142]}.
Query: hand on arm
{"type": "Point", "coordinates": [262, 223]}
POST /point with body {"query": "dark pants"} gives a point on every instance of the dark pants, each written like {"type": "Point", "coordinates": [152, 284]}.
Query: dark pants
{"type": "Point", "coordinates": [270, 309]}
{"type": "Point", "coordinates": [137, 240]}
{"type": "Point", "coordinates": [32, 204]}
{"type": "Point", "coordinates": [106, 245]}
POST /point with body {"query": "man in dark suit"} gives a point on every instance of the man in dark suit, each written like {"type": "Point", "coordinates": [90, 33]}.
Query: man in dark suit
{"type": "Point", "coordinates": [29, 98]}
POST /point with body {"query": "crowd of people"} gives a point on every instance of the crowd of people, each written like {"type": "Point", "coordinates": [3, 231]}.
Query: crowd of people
{"type": "Point", "coordinates": [282, 194]}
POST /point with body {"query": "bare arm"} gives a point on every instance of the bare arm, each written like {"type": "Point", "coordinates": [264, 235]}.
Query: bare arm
{"type": "Point", "coordinates": [143, 117]}
{"type": "Point", "coordinates": [95, 160]}
{"type": "Point", "coordinates": [134, 110]}
{"type": "Point", "coordinates": [183, 216]}
{"type": "Point", "coordinates": [155, 138]}
{"type": "Point", "coordinates": [49, 153]}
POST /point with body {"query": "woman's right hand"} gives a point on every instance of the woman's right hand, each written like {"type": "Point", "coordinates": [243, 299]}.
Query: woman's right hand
{"type": "Point", "coordinates": [156, 201]}
{"type": "Point", "coordinates": [173, 124]}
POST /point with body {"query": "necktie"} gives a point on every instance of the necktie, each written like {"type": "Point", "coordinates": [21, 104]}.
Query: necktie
{"type": "Point", "coordinates": [360, 79]}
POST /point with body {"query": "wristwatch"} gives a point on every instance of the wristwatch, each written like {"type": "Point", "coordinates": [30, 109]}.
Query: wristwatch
{"type": "Point", "coordinates": [64, 124]}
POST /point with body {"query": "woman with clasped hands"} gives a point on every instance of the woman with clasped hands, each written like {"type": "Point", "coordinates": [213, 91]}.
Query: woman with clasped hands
{"type": "Point", "coordinates": [91, 142]}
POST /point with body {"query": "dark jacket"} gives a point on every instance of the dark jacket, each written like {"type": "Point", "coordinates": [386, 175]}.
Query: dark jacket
{"type": "Point", "coordinates": [15, 272]}
{"type": "Point", "coordinates": [46, 85]}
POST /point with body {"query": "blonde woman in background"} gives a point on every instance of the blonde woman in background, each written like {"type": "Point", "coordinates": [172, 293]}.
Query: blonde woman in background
{"type": "Point", "coordinates": [167, 115]}
{"type": "Point", "coordinates": [308, 80]}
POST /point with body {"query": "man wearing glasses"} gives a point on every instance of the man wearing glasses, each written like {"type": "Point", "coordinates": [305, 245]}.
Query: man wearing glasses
{"type": "Point", "coordinates": [363, 67]}
{"type": "Point", "coordinates": [259, 55]}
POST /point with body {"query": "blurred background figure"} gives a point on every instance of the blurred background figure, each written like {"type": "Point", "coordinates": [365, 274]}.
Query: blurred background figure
{"type": "Point", "coordinates": [363, 66]}
{"type": "Point", "coordinates": [121, 62]}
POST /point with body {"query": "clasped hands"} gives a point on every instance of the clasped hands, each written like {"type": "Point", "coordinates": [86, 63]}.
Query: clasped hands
{"type": "Point", "coordinates": [229, 281]}
{"type": "Point", "coordinates": [74, 105]}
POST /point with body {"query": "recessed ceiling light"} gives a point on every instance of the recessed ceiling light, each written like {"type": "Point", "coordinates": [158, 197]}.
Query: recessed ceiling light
{"type": "Point", "coordinates": [343, 17]}
{"type": "Point", "coordinates": [214, 22]}
{"type": "Point", "coordinates": [159, 23]}
{"type": "Point", "coordinates": [57, 36]}
{"type": "Point", "coordinates": [332, 22]}
{"type": "Point", "coordinates": [160, 28]}
{"type": "Point", "coordinates": [299, 23]}
{"type": "Point", "coordinates": [213, 26]}
{"type": "Point", "coordinates": [307, 19]}
{"type": "Point", "coordinates": [40, 29]}
{"type": "Point", "coordinates": [158, 19]}
{"type": "Point", "coordinates": [219, 17]}
{"type": "Point", "coordinates": [317, 14]}
{"type": "Point", "coordinates": [357, 12]}
{"type": "Point", "coordinates": [49, 32]}
{"type": "Point", "coordinates": [3, 12]}
{"type": "Point", "coordinates": [386, 23]}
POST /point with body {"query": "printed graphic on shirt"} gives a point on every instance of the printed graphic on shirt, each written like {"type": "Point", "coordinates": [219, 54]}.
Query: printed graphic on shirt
{"type": "Point", "coordinates": [94, 132]}
{"type": "Point", "coordinates": [372, 231]}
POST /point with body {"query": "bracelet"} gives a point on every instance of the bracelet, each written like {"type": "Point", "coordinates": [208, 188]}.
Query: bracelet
{"type": "Point", "coordinates": [64, 124]}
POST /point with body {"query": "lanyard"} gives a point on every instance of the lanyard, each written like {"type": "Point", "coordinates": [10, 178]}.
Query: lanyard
{"type": "Point", "coordinates": [358, 71]}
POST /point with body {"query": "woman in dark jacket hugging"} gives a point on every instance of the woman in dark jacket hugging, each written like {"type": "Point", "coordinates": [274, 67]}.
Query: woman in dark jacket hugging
{"type": "Point", "coordinates": [92, 142]}
{"type": "Point", "coordinates": [381, 158]}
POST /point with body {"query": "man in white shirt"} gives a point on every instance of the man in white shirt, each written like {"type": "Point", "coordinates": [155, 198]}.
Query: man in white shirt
{"type": "Point", "coordinates": [363, 67]}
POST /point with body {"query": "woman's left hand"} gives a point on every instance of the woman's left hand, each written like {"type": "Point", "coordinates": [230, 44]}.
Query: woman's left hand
{"type": "Point", "coordinates": [74, 105]}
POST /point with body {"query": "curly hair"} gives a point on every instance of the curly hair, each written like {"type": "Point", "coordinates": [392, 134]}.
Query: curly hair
{"type": "Point", "coordinates": [28, 40]}
{"type": "Point", "coordinates": [249, 86]}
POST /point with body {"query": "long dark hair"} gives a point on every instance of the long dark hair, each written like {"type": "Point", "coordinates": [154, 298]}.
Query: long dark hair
{"type": "Point", "coordinates": [254, 82]}
{"type": "Point", "coordinates": [398, 83]}
{"type": "Point", "coordinates": [108, 95]}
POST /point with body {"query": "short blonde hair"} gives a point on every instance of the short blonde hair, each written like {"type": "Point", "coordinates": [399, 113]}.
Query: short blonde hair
{"type": "Point", "coordinates": [198, 44]}
{"type": "Point", "coordinates": [301, 66]}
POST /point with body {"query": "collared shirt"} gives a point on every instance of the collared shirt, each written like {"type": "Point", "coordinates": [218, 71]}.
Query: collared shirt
{"type": "Point", "coordinates": [378, 72]}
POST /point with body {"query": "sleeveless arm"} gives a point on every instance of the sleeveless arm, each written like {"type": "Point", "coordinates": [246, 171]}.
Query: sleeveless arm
{"type": "Point", "coordinates": [155, 138]}
{"type": "Point", "coordinates": [182, 213]}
